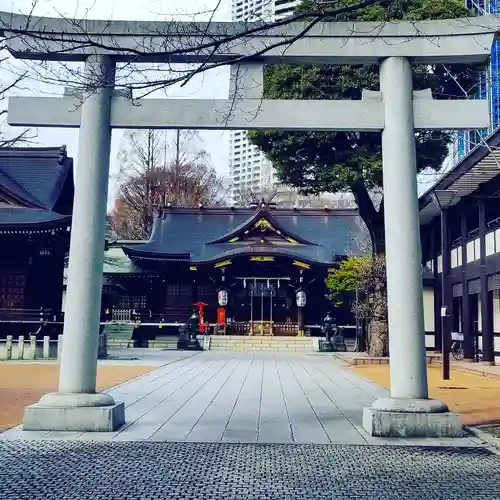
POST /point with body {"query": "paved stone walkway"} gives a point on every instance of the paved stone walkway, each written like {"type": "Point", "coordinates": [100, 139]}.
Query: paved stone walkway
{"type": "Point", "coordinates": [244, 398]}
{"type": "Point", "coordinates": [55, 470]}
{"type": "Point", "coordinates": [246, 427]}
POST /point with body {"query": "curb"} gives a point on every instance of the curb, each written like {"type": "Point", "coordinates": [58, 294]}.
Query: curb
{"type": "Point", "coordinates": [484, 436]}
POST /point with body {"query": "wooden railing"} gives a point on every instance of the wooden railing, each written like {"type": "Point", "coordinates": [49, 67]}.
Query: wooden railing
{"type": "Point", "coordinates": [239, 328]}
{"type": "Point", "coordinates": [262, 328]}
{"type": "Point", "coordinates": [285, 329]}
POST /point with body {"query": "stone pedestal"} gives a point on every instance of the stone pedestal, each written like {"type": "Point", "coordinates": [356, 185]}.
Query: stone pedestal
{"type": "Point", "coordinates": [189, 345]}
{"type": "Point", "coordinates": [74, 412]}
{"type": "Point", "coordinates": [405, 418]}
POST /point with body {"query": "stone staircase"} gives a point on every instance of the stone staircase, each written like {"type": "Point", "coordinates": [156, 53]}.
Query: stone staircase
{"type": "Point", "coordinates": [119, 334]}
{"type": "Point", "coordinates": [261, 343]}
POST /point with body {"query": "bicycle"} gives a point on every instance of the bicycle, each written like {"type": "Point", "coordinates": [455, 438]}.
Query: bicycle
{"type": "Point", "coordinates": [457, 351]}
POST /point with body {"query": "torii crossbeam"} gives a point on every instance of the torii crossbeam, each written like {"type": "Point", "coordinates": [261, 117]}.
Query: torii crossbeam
{"type": "Point", "coordinates": [396, 111]}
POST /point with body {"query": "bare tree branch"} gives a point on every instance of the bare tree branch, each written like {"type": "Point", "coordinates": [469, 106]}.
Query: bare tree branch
{"type": "Point", "coordinates": [25, 137]}
{"type": "Point", "coordinates": [150, 178]}
{"type": "Point", "coordinates": [204, 40]}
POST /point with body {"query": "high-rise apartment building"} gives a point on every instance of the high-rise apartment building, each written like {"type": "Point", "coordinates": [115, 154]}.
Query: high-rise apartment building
{"type": "Point", "coordinates": [248, 167]}
{"type": "Point", "coordinates": [488, 86]}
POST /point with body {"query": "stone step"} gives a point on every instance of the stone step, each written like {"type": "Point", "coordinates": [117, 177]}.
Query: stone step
{"type": "Point", "coordinates": [119, 334]}
{"type": "Point", "coordinates": [298, 346]}
{"type": "Point", "coordinates": [266, 341]}
{"type": "Point", "coordinates": [261, 337]}
{"type": "Point", "coordinates": [262, 343]}
{"type": "Point", "coordinates": [262, 349]}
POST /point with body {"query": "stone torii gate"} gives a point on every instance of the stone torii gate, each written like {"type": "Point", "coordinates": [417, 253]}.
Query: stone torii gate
{"type": "Point", "coordinates": [396, 111]}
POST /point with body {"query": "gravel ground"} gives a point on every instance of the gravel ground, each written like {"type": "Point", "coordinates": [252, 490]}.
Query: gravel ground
{"type": "Point", "coordinates": [22, 384]}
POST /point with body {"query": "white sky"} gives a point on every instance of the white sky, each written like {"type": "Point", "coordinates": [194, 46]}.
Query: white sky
{"type": "Point", "coordinates": [209, 85]}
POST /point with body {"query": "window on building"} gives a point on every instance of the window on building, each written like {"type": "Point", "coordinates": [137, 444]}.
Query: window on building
{"type": "Point", "coordinates": [132, 302]}
{"type": "Point", "coordinates": [178, 295]}
{"type": "Point", "coordinates": [12, 290]}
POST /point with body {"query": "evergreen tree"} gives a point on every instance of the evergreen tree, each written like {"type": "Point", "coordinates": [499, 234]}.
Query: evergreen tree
{"type": "Point", "coordinates": [317, 162]}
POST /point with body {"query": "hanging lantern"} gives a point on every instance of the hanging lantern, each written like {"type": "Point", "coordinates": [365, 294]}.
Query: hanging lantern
{"type": "Point", "coordinates": [301, 297]}
{"type": "Point", "coordinates": [222, 297]}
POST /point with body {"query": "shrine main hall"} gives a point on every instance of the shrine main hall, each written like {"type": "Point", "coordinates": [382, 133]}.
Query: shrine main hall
{"type": "Point", "coordinates": [259, 270]}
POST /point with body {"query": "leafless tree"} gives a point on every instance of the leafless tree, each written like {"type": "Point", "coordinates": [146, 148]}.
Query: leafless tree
{"type": "Point", "coordinates": [13, 81]}
{"type": "Point", "coordinates": [150, 179]}
{"type": "Point", "coordinates": [246, 196]}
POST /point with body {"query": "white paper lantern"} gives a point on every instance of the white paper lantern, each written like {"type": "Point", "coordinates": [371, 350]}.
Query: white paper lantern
{"type": "Point", "coordinates": [301, 297]}
{"type": "Point", "coordinates": [222, 298]}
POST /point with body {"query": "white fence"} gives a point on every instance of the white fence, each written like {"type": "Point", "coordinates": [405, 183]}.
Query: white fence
{"type": "Point", "coordinates": [31, 348]}
{"type": "Point", "coordinates": [121, 315]}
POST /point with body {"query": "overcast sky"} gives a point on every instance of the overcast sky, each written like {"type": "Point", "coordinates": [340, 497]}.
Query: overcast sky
{"type": "Point", "coordinates": [209, 85]}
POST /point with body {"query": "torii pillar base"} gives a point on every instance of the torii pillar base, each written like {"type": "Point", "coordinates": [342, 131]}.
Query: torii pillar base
{"type": "Point", "coordinates": [411, 418]}
{"type": "Point", "coordinates": [74, 412]}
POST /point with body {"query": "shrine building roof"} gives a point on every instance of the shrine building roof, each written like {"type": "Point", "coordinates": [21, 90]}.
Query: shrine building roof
{"type": "Point", "coordinates": [36, 189]}
{"type": "Point", "coordinates": [208, 234]}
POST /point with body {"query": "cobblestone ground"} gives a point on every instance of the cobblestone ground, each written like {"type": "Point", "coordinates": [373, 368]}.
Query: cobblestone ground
{"type": "Point", "coordinates": [67, 470]}
{"type": "Point", "coordinates": [494, 430]}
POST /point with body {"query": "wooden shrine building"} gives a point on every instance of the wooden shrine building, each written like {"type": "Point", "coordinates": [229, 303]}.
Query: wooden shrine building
{"type": "Point", "coordinates": [245, 264]}
{"type": "Point", "coordinates": [460, 227]}
{"type": "Point", "coordinates": [36, 199]}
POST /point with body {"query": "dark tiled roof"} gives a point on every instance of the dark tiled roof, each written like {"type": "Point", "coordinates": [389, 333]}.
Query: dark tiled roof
{"type": "Point", "coordinates": [188, 234]}
{"type": "Point", "coordinates": [20, 215]}
{"type": "Point", "coordinates": [39, 181]}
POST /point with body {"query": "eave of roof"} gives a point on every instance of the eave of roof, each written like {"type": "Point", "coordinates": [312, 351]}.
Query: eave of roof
{"type": "Point", "coordinates": [138, 255]}
{"type": "Point", "coordinates": [481, 165]}
{"type": "Point", "coordinates": [19, 220]}
{"type": "Point", "coordinates": [263, 250]}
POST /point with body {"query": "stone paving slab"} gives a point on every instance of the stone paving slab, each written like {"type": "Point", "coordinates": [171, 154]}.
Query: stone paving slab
{"type": "Point", "coordinates": [244, 398]}
{"type": "Point", "coordinates": [55, 470]}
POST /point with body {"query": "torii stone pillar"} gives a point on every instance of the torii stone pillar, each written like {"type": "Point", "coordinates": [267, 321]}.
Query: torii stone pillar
{"type": "Point", "coordinates": [396, 112]}
{"type": "Point", "coordinates": [408, 412]}
{"type": "Point", "coordinates": [77, 406]}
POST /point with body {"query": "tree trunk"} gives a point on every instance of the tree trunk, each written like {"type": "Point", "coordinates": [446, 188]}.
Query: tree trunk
{"type": "Point", "coordinates": [379, 332]}
{"type": "Point", "coordinates": [378, 337]}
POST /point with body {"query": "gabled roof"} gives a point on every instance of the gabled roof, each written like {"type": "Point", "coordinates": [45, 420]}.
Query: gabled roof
{"type": "Point", "coordinates": [36, 186]}
{"type": "Point", "coordinates": [479, 167]}
{"type": "Point", "coordinates": [262, 219]}
{"type": "Point", "coordinates": [199, 235]}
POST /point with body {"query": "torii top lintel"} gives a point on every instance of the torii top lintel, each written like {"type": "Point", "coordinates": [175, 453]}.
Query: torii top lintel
{"type": "Point", "coordinates": [442, 41]}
